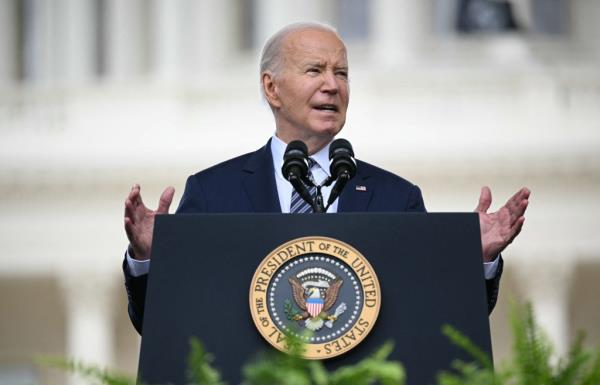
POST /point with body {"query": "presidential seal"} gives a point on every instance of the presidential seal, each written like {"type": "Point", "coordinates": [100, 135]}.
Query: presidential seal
{"type": "Point", "coordinates": [318, 289]}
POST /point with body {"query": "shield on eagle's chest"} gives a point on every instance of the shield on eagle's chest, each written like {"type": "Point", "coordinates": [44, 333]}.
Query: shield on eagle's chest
{"type": "Point", "coordinates": [314, 306]}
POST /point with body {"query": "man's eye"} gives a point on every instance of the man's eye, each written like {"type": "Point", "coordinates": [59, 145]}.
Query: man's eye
{"type": "Point", "coordinates": [313, 70]}
{"type": "Point", "coordinates": [343, 74]}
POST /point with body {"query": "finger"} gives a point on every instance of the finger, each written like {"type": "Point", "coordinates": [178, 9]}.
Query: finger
{"type": "Point", "coordinates": [135, 211]}
{"type": "Point", "coordinates": [135, 196]}
{"type": "Point", "coordinates": [525, 193]}
{"type": "Point", "coordinates": [517, 204]}
{"type": "Point", "coordinates": [134, 190]}
{"type": "Point", "coordinates": [515, 201]}
{"type": "Point", "coordinates": [137, 207]}
{"type": "Point", "coordinates": [131, 196]}
{"type": "Point", "coordinates": [129, 229]}
{"type": "Point", "coordinates": [512, 203]}
{"type": "Point", "coordinates": [485, 200]}
{"type": "Point", "coordinates": [130, 211]}
{"type": "Point", "coordinates": [516, 229]}
{"type": "Point", "coordinates": [165, 200]}
{"type": "Point", "coordinates": [518, 212]}
{"type": "Point", "coordinates": [523, 206]}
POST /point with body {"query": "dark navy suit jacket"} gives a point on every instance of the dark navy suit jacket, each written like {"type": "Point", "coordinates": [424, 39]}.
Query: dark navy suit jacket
{"type": "Point", "coordinates": [246, 184]}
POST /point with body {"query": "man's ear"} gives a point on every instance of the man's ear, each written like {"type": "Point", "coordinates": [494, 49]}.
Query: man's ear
{"type": "Point", "coordinates": [270, 89]}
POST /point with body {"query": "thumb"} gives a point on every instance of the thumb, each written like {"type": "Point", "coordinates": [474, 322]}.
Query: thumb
{"type": "Point", "coordinates": [485, 200]}
{"type": "Point", "coordinates": [165, 200]}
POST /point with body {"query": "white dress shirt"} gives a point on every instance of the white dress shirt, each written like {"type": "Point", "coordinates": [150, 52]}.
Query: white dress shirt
{"type": "Point", "coordinates": [320, 173]}
{"type": "Point", "coordinates": [284, 190]}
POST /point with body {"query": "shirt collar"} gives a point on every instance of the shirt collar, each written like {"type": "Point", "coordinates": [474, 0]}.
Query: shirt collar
{"type": "Point", "coordinates": [278, 147]}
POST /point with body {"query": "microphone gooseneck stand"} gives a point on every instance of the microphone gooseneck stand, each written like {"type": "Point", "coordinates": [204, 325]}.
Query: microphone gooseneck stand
{"type": "Point", "coordinates": [342, 168]}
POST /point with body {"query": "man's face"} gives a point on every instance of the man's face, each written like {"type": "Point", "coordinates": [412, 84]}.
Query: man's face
{"type": "Point", "coordinates": [310, 94]}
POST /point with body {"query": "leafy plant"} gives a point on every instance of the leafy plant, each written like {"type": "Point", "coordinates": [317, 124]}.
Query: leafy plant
{"type": "Point", "coordinates": [91, 372]}
{"type": "Point", "coordinates": [531, 362]}
{"type": "Point", "coordinates": [199, 370]}
{"type": "Point", "coordinates": [290, 368]}
{"type": "Point", "coordinates": [375, 368]}
{"type": "Point", "coordinates": [274, 368]}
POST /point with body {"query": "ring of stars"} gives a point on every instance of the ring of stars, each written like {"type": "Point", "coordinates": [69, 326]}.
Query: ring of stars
{"type": "Point", "coordinates": [349, 316]}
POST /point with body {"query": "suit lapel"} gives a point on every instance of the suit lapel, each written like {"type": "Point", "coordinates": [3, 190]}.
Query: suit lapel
{"type": "Point", "coordinates": [259, 181]}
{"type": "Point", "coordinates": [261, 189]}
{"type": "Point", "coordinates": [357, 193]}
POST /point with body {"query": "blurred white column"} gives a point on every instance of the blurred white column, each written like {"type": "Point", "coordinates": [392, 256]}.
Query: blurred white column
{"type": "Point", "coordinates": [76, 41]}
{"type": "Point", "coordinates": [167, 38]}
{"type": "Point", "coordinates": [211, 37]}
{"type": "Point", "coordinates": [271, 15]}
{"type": "Point", "coordinates": [125, 45]}
{"type": "Point", "coordinates": [399, 28]}
{"type": "Point", "coordinates": [583, 26]}
{"type": "Point", "coordinates": [8, 42]}
{"type": "Point", "coordinates": [547, 283]}
{"type": "Point", "coordinates": [39, 40]}
{"type": "Point", "coordinates": [90, 319]}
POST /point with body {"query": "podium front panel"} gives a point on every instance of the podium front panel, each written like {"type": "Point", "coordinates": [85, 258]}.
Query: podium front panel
{"type": "Point", "coordinates": [429, 268]}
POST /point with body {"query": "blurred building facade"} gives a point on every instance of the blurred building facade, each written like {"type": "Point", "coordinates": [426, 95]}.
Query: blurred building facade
{"type": "Point", "coordinates": [96, 95]}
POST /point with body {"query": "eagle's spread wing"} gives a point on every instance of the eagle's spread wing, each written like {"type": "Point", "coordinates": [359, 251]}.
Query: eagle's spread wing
{"type": "Point", "coordinates": [332, 294]}
{"type": "Point", "coordinates": [298, 293]}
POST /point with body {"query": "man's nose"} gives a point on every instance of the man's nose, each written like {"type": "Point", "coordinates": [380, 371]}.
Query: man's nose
{"type": "Point", "coordinates": [330, 83]}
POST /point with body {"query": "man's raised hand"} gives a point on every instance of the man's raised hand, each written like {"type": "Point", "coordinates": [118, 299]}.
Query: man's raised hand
{"type": "Point", "coordinates": [139, 220]}
{"type": "Point", "coordinates": [499, 229]}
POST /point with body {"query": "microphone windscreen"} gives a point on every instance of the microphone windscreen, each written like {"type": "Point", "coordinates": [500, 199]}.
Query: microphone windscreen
{"type": "Point", "coordinates": [295, 160]}
{"type": "Point", "coordinates": [340, 146]}
{"type": "Point", "coordinates": [341, 158]}
{"type": "Point", "coordinates": [296, 147]}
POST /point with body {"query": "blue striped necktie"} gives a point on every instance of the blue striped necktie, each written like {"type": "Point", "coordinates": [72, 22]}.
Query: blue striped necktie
{"type": "Point", "coordinates": [299, 205]}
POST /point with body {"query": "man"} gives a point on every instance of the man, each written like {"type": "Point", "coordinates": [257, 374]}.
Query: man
{"type": "Point", "coordinates": [304, 78]}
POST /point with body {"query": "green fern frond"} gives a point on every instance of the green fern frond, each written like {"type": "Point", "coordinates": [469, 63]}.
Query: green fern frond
{"type": "Point", "coordinates": [371, 370]}
{"type": "Point", "coordinates": [318, 373]}
{"type": "Point", "coordinates": [468, 374]}
{"type": "Point", "coordinates": [276, 368]}
{"type": "Point", "coordinates": [531, 349]}
{"type": "Point", "coordinates": [463, 342]}
{"type": "Point", "coordinates": [91, 372]}
{"type": "Point", "coordinates": [592, 377]}
{"type": "Point", "coordinates": [200, 370]}
{"type": "Point", "coordinates": [531, 363]}
{"type": "Point", "coordinates": [478, 372]}
{"type": "Point", "coordinates": [569, 370]}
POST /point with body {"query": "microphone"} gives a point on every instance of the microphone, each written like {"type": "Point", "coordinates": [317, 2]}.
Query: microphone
{"type": "Point", "coordinates": [342, 166]}
{"type": "Point", "coordinates": [295, 169]}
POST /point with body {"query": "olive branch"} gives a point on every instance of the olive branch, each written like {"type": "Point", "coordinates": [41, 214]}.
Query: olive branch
{"type": "Point", "coordinates": [289, 310]}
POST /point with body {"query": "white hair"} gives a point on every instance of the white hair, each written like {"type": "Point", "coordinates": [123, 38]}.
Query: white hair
{"type": "Point", "coordinates": [270, 57]}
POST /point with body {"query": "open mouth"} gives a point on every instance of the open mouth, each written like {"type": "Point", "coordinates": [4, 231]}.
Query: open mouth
{"type": "Point", "coordinates": [326, 107]}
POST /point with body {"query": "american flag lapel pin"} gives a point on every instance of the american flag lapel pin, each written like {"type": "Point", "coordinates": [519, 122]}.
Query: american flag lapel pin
{"type": "Point", "coordinates": [361, 188]}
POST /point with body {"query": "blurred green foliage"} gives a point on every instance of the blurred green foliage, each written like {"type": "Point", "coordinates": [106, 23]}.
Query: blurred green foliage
{"type": "Point", "coordinates": [532, 363]}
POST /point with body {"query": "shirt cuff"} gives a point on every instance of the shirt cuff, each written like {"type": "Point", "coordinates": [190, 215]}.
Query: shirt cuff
{"type": "Point", "coordinates": [137, 267]}
{"type": "Point", "coordinates": [490, 269]}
